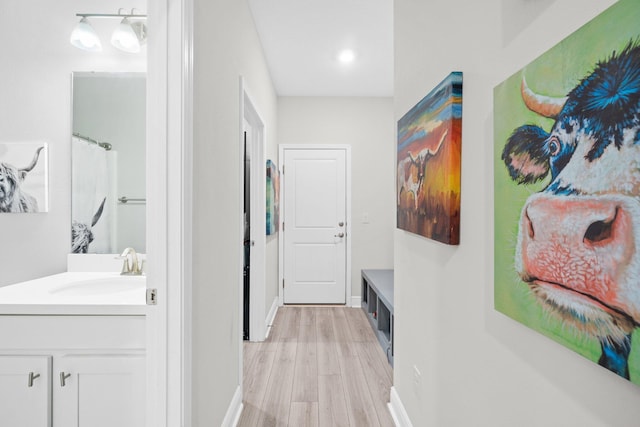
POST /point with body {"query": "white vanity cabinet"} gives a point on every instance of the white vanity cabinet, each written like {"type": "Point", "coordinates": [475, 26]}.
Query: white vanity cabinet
{"type": "Point", "coordinates": [99, 391]}
{"type": "Point", "coordinates": [25, 391]}
{"type": "Point", "coordinates": [91, 371]}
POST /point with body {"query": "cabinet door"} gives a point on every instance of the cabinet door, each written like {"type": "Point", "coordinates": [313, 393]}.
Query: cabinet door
{"type": "Point", "coordinates": [99, 391]}
{"type": "Point", "coordinates": [25, 391]}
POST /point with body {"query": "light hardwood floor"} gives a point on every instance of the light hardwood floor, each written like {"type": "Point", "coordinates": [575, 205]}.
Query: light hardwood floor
{"type": "Point", "coordinates": [320, 366]}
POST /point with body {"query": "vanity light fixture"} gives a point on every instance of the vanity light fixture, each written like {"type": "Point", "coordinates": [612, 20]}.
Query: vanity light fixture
{"type": "Point", "coordinates": [128, 36]}
{"type": "Point", "coordinates": [84, 36]}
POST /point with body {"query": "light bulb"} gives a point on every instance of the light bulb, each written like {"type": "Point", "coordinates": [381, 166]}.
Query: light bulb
{"type": "Point", "coordinates": [84, 37]}
{"type": "Point", "coordinates": [125, 38]}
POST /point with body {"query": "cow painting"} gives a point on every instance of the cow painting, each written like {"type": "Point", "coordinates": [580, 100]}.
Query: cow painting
{"type": "Point", "coordinates": [411, 171]}
{"type": "Point", "coordinates": [578, 240]}
{"type": "Point", "coordinates": [13, 197]}
{"type": "Point", "coordinates": [82, 234]}
{"type": "Point", "coordinates": [429, 164]}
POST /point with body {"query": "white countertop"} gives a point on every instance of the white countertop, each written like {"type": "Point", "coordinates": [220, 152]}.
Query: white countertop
{"type": "Point", "coordinates": [76, 293]}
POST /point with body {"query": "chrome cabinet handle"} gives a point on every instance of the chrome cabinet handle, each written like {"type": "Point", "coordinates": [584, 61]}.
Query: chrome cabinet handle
{"type": "Point", "coordinates": [339, 235]}
{"type": "Point", "coordinates": [63, 378]}
{"type": "Point", "coordinates": [32, 377]}
{"type": "Point", "coordinates": [341, 224]}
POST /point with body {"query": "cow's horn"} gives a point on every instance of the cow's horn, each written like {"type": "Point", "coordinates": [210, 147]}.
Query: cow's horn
{"type": "Point", "coordinates": [546, 106]}
{"type": "Point", "coordinates": [98, 214]}
{"type": "Point", "coordinates": [33, 162]}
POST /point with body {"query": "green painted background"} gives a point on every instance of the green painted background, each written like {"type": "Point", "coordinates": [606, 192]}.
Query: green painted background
{"type": "Point", "coordinates": [554, 73]}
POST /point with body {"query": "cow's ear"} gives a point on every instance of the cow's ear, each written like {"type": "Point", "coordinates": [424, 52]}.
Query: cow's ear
{"type": "Point", "coordinates": [525, 155]}
{"type": "Point", "coordinates": [22, 175]}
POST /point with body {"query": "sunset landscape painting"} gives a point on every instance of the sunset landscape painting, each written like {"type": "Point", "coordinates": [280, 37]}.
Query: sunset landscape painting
{"type": "Point", "coordinates": [428, 174]}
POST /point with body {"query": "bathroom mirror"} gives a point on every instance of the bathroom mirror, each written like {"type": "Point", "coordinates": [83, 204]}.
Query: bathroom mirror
{"type": "Point", "coordinates": [108, 199]}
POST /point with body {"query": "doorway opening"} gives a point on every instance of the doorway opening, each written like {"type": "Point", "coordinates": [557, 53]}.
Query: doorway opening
{"type": "Point", "coordinates": [253, 233]}
{"type": "Point", "coordinates": [246, 269]}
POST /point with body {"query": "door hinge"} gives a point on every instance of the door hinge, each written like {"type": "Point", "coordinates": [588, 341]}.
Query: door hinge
{"type": "Point", "coordinates": [282, 169]}
{"type": "Point", "coordinates": [283, 226]}
{"type": "Point", "coordinates": [152, 296]}
{"type": "Point", "coordinates": [282, 283]}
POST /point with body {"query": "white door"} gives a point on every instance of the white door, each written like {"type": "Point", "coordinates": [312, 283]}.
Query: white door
{"type": "Point", "coordinates": [315, 232]}
{"type": "Point", "coordinates": [25, 391]}
{"type": "Point", "coordinates": [99, 391]}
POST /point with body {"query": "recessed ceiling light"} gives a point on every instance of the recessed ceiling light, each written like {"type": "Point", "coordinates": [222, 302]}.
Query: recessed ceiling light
{"type": "Point", "coordinates": [346, 56]}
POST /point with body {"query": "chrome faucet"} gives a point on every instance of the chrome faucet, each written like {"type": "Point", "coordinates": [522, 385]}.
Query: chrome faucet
{"type": "Point", "coordinates": [132, 268]}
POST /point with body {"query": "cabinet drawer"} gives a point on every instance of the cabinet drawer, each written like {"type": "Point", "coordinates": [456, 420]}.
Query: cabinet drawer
{"type": "Point", "coordinates": [72, 332]}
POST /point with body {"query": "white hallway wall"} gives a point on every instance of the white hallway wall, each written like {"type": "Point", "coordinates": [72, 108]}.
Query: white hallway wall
{"type": "Point", "coordinates": [226, 46]}
{"type": "Point", "coordinates": [480, 368]}
{"type": "Point", "coordinates": [36, 106]}
{"type": "Point", "coordinates": [367, 125]}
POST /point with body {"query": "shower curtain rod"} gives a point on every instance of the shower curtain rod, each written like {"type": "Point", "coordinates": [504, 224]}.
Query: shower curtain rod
{"type": "Point", "coordinates": [105, 145]}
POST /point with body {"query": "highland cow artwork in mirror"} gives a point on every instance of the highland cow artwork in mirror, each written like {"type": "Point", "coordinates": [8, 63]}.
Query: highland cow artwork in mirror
{"type": "Point", "coordinates": [428, 170]}
{"type": "Point", "coordinates": [23, 177]}
{"type": "Point", "coordinates": [567, 192]}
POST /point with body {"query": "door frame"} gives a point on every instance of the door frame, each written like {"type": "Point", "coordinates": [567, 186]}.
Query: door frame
{"type": "Point", "coordinates": [258, 182]}
{"type": "Point", "coordinates": [281, 149]}
{"type": "Point", "coordinates": [170, 198]}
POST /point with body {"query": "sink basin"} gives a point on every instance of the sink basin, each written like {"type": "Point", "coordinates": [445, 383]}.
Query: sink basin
{"type": "Point", "coordinates": [77, 293]}
{"type": "Point", "coordinates": [101, 286]}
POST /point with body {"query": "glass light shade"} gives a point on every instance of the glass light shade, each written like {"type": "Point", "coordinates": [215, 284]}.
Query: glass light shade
{"type": "Point", "coordinates": [125, 38]}
{"type": "Point", "coordinates": [84, 37]}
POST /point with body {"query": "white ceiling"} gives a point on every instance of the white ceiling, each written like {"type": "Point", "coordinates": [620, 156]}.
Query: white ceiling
{"type": "Point", "coordinates": [302, 38]}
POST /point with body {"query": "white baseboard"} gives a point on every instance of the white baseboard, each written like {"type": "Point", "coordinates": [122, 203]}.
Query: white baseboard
{"type": "Point", "coordinates": [270, 316]}
{"type": "Point", "coordinates": [398, 413]}
{"type": "Point", "coordinates": [232, 416]}
{"type": "Point", "coordinates": [356, 302]}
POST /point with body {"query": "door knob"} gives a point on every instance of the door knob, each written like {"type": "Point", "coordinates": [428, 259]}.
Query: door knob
{"type": "Point", "coordinates": [339, 235]}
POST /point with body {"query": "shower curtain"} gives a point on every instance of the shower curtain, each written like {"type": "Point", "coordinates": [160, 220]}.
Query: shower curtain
{"type": "Point", "coordinates": [94, 179]}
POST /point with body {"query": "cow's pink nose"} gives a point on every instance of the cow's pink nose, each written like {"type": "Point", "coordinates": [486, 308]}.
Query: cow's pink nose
{"type": "Point", "coordinates": [573, 221]}
{"type": "Point", "coordinates": [593, 221]}
{"type": "Point", "coordinates": [583, 242]}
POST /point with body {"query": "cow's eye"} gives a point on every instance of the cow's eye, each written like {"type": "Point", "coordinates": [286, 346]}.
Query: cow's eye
{"type": "Point", "coordinates": [554, 146]}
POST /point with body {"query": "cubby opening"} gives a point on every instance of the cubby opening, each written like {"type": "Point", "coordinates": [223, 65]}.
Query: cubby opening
{"type": "Point", "coordinates": [377, 303]}
{"type": "Point", "coordinates": [373, 303]}
{"type": "Point", "coordinates": [384, 321]}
